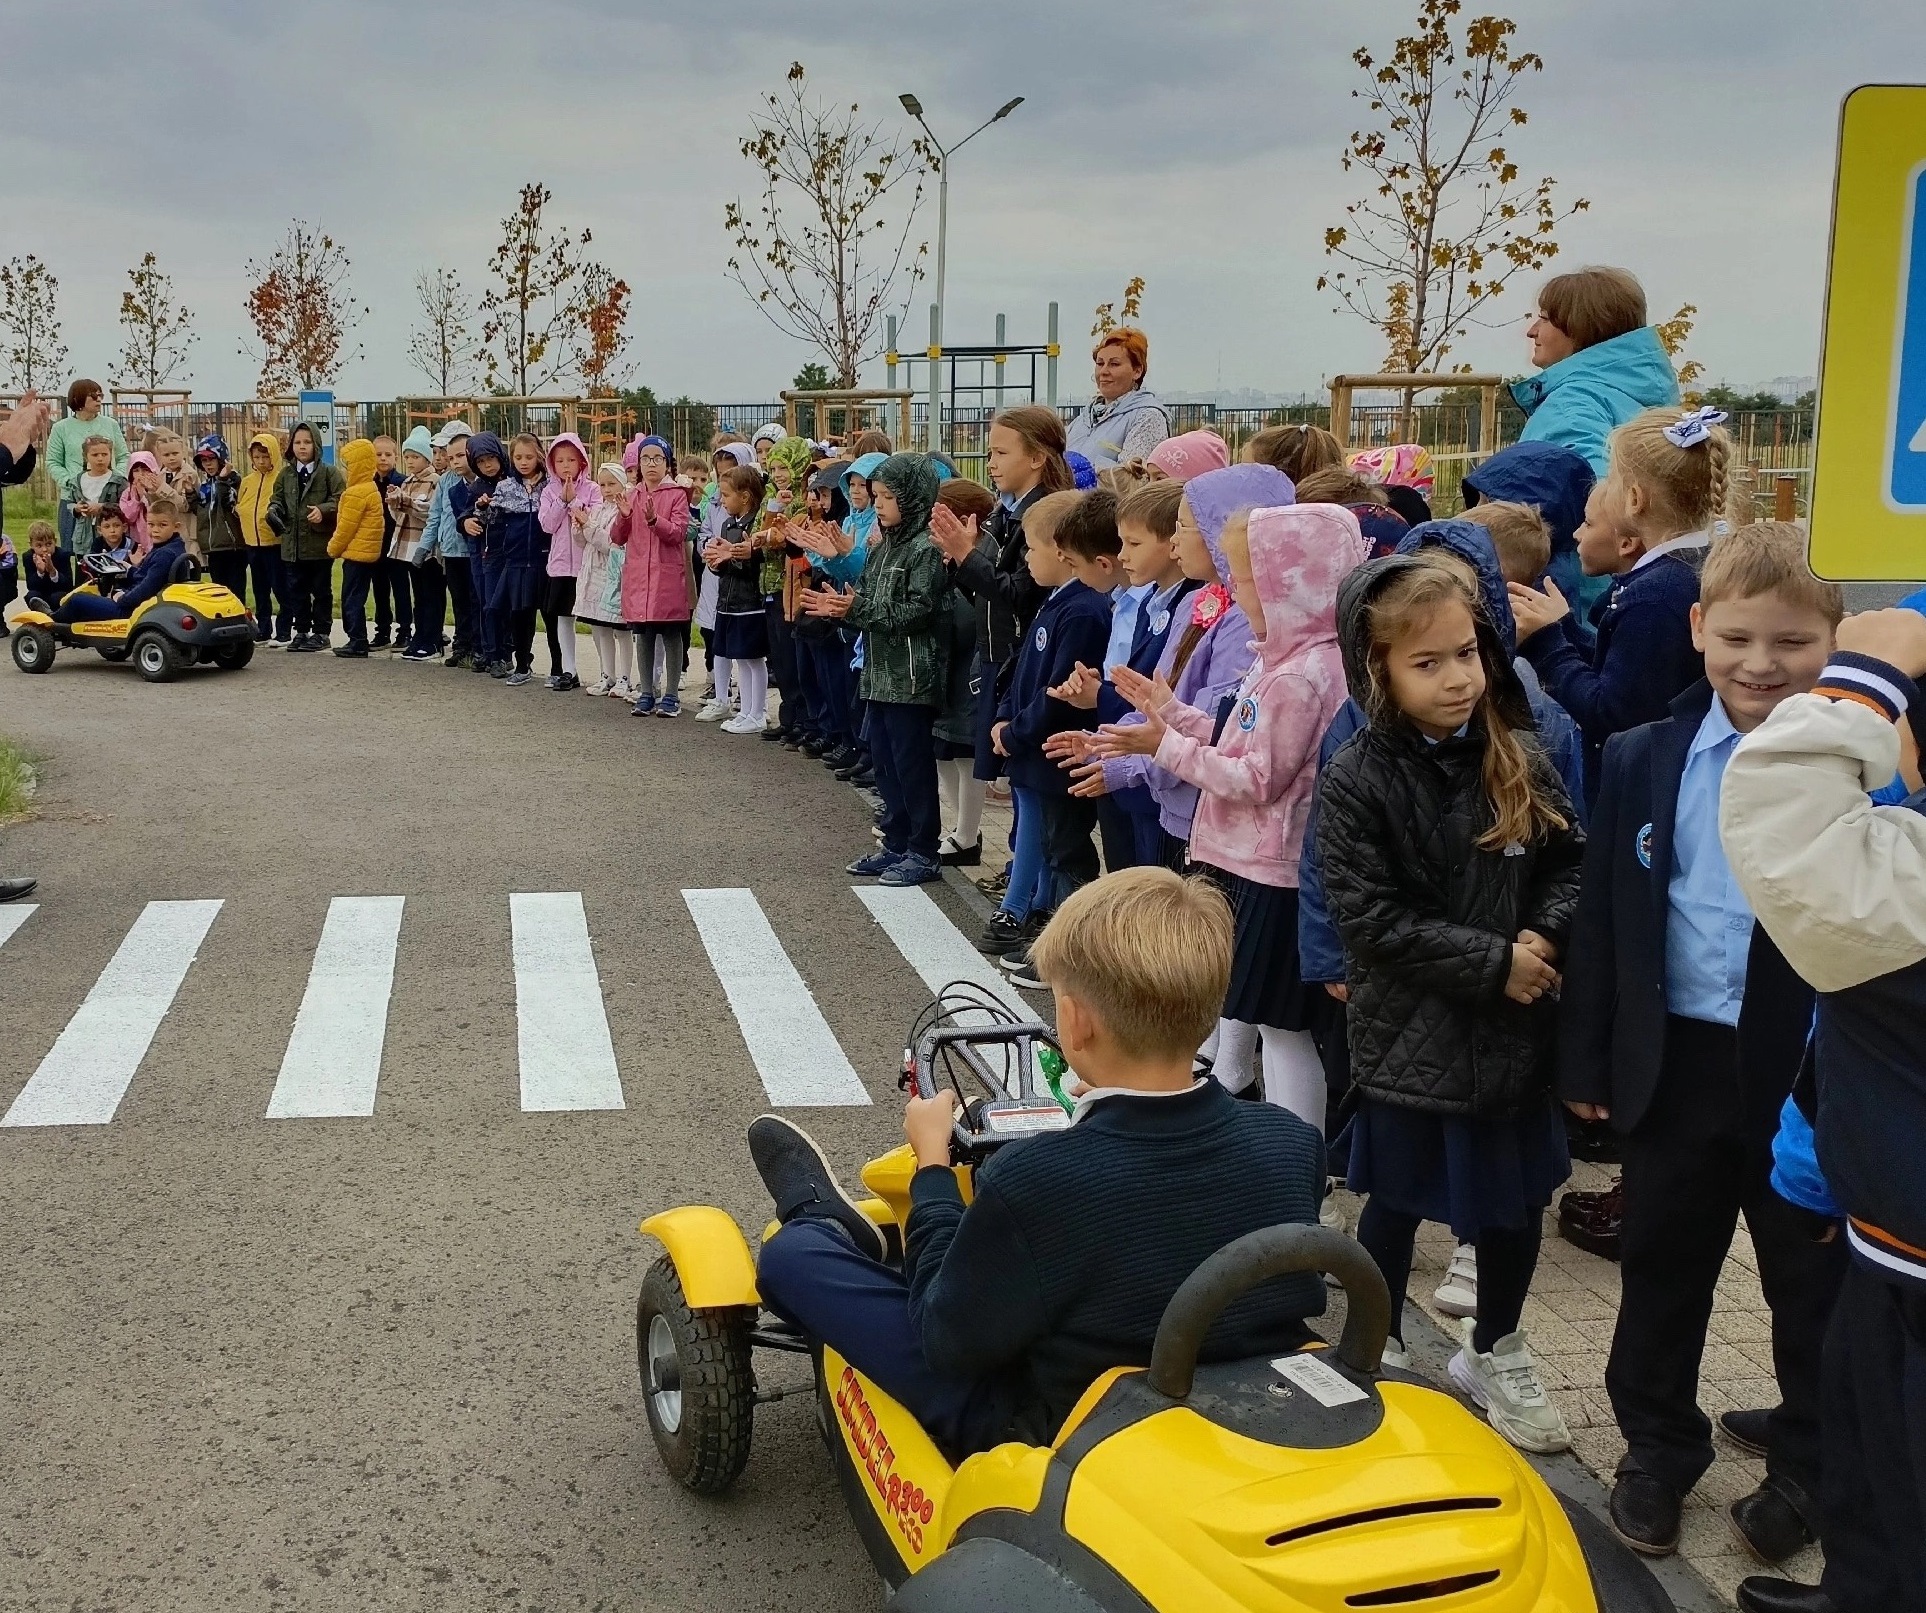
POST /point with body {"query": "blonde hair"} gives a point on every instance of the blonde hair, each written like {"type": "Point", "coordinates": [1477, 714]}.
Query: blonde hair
{"type": "Point", "coordinates": [1041, 519]}
{"type": "Point", "coordinates": [1768, 557]}
{"type": "Point", "coordinates": [1127, 477]}
{"type": "Point", "coordinates": [162, 502]}
{"type": "Point", "coordinates": [38, 530]}
{"type": "Point", "coordinates": [1593, 304]}
{"type": "Point", "coordinates": [1295, 450]}
{"type": "Point", "coordinates": [1148, 953]}
{"type": "Point", "coordinates": [1692, 486]}
{"type": "Point", "coordinates": [1519, 533]}
{"type": "Point", "coordinates": [1153, 506]}
{"type": "Point", "coordinates": [1513, 772]}
{"type": "Point", "coordinates": [1336, 484]}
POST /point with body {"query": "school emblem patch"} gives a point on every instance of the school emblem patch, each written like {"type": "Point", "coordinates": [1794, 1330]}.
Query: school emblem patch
{"type": "Point", "coordinates": [1247, 714]}
{"type": "Point", "coordinates": [1643, 846]}
{"type": "Point", "coordinates": [1043, 638]}
{"type": "Point", "coordinates": [1160, 623]}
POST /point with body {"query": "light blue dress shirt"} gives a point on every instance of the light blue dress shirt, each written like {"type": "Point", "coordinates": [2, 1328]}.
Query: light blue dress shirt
{"type": "Point", "coordinates": [1708, 934]}
{"type": "Point", "coordinates": [1125, 603]}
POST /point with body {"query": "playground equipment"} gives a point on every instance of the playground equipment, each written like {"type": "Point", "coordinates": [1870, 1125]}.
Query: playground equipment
{"type": "Point", "coordinates": [979, 376]}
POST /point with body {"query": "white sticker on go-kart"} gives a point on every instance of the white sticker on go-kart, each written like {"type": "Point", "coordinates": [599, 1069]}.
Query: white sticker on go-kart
{"type": "Point", "coordinates": [1322, 1383]}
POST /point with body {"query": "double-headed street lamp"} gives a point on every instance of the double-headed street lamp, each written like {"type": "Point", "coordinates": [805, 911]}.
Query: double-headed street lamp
{"type": "Point", "coordinates": [914, 108]}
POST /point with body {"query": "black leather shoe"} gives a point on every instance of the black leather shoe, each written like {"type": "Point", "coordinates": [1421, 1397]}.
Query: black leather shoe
{"type": "Point", "coordinates": [1746, 1429]}
{"type": "Point", "coordinates": [11, 890]}
{"type": "Point", "coordinates": [1771, 1521]}
{"type": "Point", "coordinates": [800, 1181]}
{"type": "Point", "coordinates": [1766, 1593]}
{"type": "Point", "coordinates": [1645, 1513]}
{"type": "Point", "coordinates": [863, 778]}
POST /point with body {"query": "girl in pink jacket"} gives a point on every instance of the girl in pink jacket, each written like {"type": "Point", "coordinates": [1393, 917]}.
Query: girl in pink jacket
{"type": "Point", "coordinates": [653, 532]}
{"type": "Point", "coordinates": [568, 497]}
{"type": "Point", "coordinates": [1256, 779]}
{"type": "Point", "coordinates": [143, 477]}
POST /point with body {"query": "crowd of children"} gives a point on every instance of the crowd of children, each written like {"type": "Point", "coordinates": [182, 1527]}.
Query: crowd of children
{"type": "Point", "coordinates": [1466, 831]}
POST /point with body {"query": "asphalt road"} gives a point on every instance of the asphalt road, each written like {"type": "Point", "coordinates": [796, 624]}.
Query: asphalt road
{"type": "Point", "coordinates": [388, 1359]}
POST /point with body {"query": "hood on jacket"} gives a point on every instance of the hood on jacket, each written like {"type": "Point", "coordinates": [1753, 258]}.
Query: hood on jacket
{"type": "Point", "coordinates": [1472, 544]}
{"type": "Point", "coordinates": [213, 443]}
{"type": "Point", "coordinates": [272, 443]}
{"type": "Point", "coordinates": [1553, 479]}
{"type": "Point", "coordinates": [357, 458]}
{"type": "Point", "coordinates": [1363, 585]}
{"type": "Point", "coordinates": [829, 482]}
{"type": "Point", "coordinates": [769, 432]}
{"type": "Point", "coordinates": [1634, 365]}
{"type": "Point", "coordinates": [1299, 555]}
{"type": "Point", "coordinates": [740, 452]}
{"type": "Point", "coordinates": [862, 468]}
{"type": "Point", "coordinates": [420, 442]}
{"type": "Point", "coordinates": [482, 445]}
{"type": "Point", "coordinates": [913, 481]}
{"type": "Point", "coordinates": [140, 461]}
{"type": "Point", "coordinates": [574, 442]}
{"type": "Point", "coordinates": [1217, 495]}
{"type": "Point", "coordinates": [796, 453]}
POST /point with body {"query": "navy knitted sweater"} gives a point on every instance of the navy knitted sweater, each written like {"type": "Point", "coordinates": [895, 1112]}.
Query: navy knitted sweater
{"type": "Point", "coordinates": [1061, 1267]}
{"type": "Point", "coordinates": [1643, 659]}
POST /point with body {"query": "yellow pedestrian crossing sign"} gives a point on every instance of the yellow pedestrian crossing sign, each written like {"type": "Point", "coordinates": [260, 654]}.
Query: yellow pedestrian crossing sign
{"type": "Point", "coordinates": [1869, 469]}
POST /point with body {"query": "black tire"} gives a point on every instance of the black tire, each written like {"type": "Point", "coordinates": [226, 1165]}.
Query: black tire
{"type": "Point", "coordinates": [698, 1387]}
{"type": "Point", "coordinates": [232, 657]}
{"type": "Point", "coordinates": [116, 655]}
{"type": "Point", "coordinates": [159, 659]}
{"type": "Point", "coordinates": [33, 649]}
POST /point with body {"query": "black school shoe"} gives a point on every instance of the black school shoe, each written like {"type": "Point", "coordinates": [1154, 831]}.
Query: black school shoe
{"type": "Point", "coordinates": [1771, 1521]}
{"type": "Point", "coordinates": [801, 1183]}
{"type": "Point", "coordinates": [1005, 933]}
{"type": "Point", "coordinates": [1767, 1593]}
{"type": "Point", "coordinates": [1645, 1513]}
{"type": "Point", "coordinates": [1746, 1429]}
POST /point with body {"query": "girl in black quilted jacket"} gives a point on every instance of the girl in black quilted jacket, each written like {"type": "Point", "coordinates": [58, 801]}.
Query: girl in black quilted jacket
{"type": "Point", "coordinates": [1451, 856]}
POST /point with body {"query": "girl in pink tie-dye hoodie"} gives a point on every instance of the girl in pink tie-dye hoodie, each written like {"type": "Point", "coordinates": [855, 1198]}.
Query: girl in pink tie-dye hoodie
{"type": "Point", "coordinates": [1256, 781]}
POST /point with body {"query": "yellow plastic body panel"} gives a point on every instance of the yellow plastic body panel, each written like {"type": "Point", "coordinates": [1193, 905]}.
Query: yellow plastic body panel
{"type": "Point", "coordinates": [711, 1256]}
{"type": "Point", "coordinates": [903, 1475]}
{"type": "Point", "coordinates": [1010, 1476]}
{"type": "Point", "coordinates": [1192, 1514]}
{"type": "Point", "coordinates": [32, 618]}
{"type": "Point", "coordinates": [888, 1177]}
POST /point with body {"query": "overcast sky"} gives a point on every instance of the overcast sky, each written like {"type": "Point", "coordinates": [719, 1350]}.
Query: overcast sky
{"type": "Point", "coordinates": [1197, 146]}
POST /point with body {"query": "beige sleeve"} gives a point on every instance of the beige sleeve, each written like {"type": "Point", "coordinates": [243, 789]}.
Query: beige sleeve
{"type": "Point", "coordinates": [1838, 883]}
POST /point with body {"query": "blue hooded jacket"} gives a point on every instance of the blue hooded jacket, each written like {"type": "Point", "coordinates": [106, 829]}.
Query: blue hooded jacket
{"type": "Point", "coordinates": [1579, 400]}
{"type": "Point", "coordinates": [1556, 481]}
{"type": "Point", "coordinates": [1320, 951]}
{"type": "Point", "coordinates": [859, 524]}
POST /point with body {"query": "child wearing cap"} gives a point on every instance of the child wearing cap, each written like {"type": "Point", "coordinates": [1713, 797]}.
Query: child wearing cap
{"type": "Point", "coordinates": [215, 516]}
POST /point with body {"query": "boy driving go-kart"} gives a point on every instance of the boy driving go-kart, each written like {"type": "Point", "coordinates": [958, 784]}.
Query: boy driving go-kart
{"type": "Point", "coordinates": [164, 516]}
{"type": "Point", "coordinates": [1060, 1269]}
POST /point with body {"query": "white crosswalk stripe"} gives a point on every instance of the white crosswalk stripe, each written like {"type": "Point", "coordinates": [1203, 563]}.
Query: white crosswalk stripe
{"type": "Point", "coordinates": [333, 1061]}
{"type": "Point", "coordinates": [795, 1052]}
{"type": "Point", "coordinates": [13, 915]}
{"type": "Point", "coordinates": [82, 1080]}
{"type": "Point", "coordinates": [562, 1029]}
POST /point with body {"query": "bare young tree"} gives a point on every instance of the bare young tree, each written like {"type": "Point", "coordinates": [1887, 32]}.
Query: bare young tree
{"type": "Point", "coordinates": [299, 305]}
{"type": "Point", "coordinates": [816, 252]}
{"type": "Point", "coordinates": [156, 328]}
{"type": "Point", "coordinates": [439, 346]}
{"type": "Point", "coordinates": [528, 313]}
{"type": "Point", "coordinates": [30, 325]}
{"type": "Point", "coordinates": [1448, 220]}
{"type": "Point", "coordinates": [600, 344]}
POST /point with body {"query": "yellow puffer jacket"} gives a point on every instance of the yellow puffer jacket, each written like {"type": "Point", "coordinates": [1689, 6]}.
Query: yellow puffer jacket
{"type": "Point", "coordinates": [357, 521]}
{"type": "Point", "coordinates": [257, 492]}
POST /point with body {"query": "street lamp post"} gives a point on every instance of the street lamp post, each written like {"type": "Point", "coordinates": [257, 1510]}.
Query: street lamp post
{"type": "Point", "coordinates": [914, 108]}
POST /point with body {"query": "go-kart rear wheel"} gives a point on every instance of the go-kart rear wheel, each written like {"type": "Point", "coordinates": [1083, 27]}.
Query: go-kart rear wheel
{"type": "Point", "coordinates": [697, 1383]}
{"type": "Point", "coordinates": [159, 659]}
{"type": "Point", "coordinates": [232, 657]}
{"type": "Point", "coordinates": [33, 649]}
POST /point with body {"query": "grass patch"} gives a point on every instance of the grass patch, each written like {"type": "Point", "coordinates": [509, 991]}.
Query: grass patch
{"type": "Point", "coordinates": [15, 797]}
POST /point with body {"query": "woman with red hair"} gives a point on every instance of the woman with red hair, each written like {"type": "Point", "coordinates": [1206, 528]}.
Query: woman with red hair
{"type": "Point", "coordinates": [1123, 421]}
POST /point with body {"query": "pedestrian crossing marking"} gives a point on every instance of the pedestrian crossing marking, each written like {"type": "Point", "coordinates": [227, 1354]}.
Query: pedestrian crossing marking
{"type": "Point", "coordinates": [936, 949]}
{"type": "Point", "coordinates": [562, 1028]}
{"type": "Point", "coordinates": [82, 1080]}
{"type": "Point", "coordinates": [333, 1060]}
{"type": "Point", "coordinates": [795, 1053]}
{"type": "Point", "coordinates": [13, 916]}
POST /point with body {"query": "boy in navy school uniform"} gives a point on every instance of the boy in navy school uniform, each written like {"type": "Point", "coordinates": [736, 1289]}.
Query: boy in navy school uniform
{"type": "Point", "coordinates": [1683, 1026]}
{"type": "Point", "coordinates": [1071, 628]}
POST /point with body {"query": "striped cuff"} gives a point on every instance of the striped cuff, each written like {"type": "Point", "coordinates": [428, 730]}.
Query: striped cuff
{"type": "Point", "coordinates": [1885, 1251]}
{"type": "Point", "coordinates": [1870, 682]}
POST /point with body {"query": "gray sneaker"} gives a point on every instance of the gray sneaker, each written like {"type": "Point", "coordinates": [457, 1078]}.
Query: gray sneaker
{"type": "Point", "coordinates": [1505, 1386]}
{"type": "Point", "coordinates": [801, 1183]}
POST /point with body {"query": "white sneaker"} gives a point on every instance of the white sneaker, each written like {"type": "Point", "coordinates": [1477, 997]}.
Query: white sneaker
{"type": "Point", "coordinates": [619, 689]}
{"type": "Point", "coordinates": [1331, 1216]}
{"type": "Point", "coordinates": [1505, 1385]}
{"type": "Point", "coordinates": [1457, 1295]}
{"type": "Point", "coordinates": [715, 711]}
{"type": "Point", "coordinates": [742, 725]}
{"type": "Point", "coordinates": [601, 685]}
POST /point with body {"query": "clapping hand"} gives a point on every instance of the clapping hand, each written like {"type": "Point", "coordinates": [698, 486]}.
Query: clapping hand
{"type": "Point", "coordinates": [1117, 739]}
{"type": "Point", "coordinates": [1079, 689]}
{"type": "Point", "coordinates": [1087, 782]}
{"type": "Point", "coordinates": [952, 534]}
{"type": "Point", "coordinates": [826, 602]}
{"type": "Point", "coordinates": [1148, 695]}
{"type": "Point", "coordinates": [1534, 611]}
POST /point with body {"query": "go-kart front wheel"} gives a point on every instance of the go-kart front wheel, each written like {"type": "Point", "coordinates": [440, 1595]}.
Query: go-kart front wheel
{"type": "Point", "coordinates": [697, 1383]}
{"type": "Point", "coordinates": [33, 649]}
{"type": "Point", "coordinates": [159, 659]}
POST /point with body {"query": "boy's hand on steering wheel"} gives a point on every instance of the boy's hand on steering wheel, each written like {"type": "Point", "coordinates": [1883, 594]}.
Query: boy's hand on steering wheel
{"type": "Point", "coordinates": [927, 1123]}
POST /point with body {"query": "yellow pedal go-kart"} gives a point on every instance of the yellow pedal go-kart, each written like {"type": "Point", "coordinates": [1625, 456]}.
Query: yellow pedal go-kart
{"type": "Point", "coordinates": [1310, 1481]}
{"type": "Point", "coordinates": [188, 623]}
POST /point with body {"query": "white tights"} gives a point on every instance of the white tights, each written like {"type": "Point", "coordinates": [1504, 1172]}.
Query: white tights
{"type": "Point", "coordinates": [614, 649]}
{"type": "Point", "coordinates": [565, 636]}
{"type": "Point", "coordinates": [752, 688]}
{"type": "Point", "coordinates": [1293, 1072]}
{"type": "Point", "coordinates": [961, 793]}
